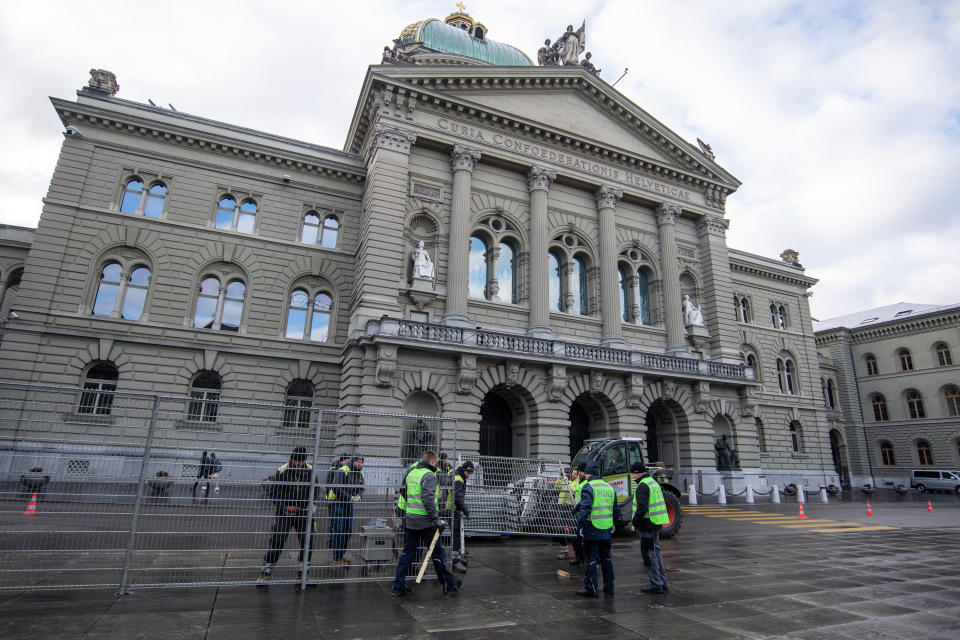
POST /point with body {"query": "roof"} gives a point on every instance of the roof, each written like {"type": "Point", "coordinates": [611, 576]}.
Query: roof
{"type": "Point", "coordinates": [880, 315]}
{"type": "Point", "coordinates": [445, 38]}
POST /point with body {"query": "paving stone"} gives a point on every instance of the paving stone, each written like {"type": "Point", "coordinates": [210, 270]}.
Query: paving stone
{"type": "Point", "coordinates": [875, 608]}
{"type": "Point", "coordinates": [764, 624]}
{"type": "Point", "coordinates": [777, 604]}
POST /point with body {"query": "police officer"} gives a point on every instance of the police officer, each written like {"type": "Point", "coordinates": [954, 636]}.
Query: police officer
{"type": "Point", "coordinates": [456, 503]}
{"type": "Point", "coordinates": [291, 494]}
{"type": "Point", "coordinates": [420, 523]}
{"type": "Point", "coordinates": [596, 515]}
{"type": "Point", "coordinates": [650, 514]}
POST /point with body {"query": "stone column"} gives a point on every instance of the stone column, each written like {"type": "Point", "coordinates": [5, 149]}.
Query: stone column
{"type": "Point", "coordinates": [606, 198]}
{"type": "Point", "coordinates": [670, 266]}
{"type": "Point", "coordinates": [538, 181]}
{"type": "Point", "coordinates": [719, 315]}
{"type": "Point", "coordinates": [462, 162]}
{"type": "Point", "coordinates": [3, 292]}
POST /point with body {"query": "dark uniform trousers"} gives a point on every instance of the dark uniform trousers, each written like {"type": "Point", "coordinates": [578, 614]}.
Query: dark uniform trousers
{"type": "Point", "coordinates": [281, 529]}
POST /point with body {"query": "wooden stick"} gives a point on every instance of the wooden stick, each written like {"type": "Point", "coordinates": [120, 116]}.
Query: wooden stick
{"type": "Point", "coordinates": [426, 558]}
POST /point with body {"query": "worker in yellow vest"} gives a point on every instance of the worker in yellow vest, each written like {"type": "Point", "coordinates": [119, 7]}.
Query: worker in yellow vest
{"type": "Point", "coordinates": [568, 496]}
{"type": "Point", "coordinates": [457, 505]}
{"type": "Point", "coordinates": [649, 516]}
{"type": "Point", "coordinates": [596, 514]}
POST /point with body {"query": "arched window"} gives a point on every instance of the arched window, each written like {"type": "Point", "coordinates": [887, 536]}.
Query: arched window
{"type": "Point", "coordinates": [944, 358]}
{"type": "Point", "coordinates": [155, 197]}
{"type": "Point", "coordinates": [643, 297]}
{"type": "Point", "coordinates": [98, 387]}
{"type": "Point", "coordinates": [831, 394]}
{"type": "Point", "coordinates": [906, 360]}
{"type": "Point", "coordinates": [791, 376]}
{"type": "Point", "coordinates": [915, 405]}
{"type": "Point", "coordinates": [745, 309]}
{"type": "Point", "coordinates": [506, 273]}
{"type": "Point", "coordinates": [328, 235]}
{"type": "Point", "coordinates": [297, 412]}
{"type": "Point", "coordinates": [219, 308]}
{"type": "Point", "coordinates": [924, 455]}
{"type": "Point", "coordinates": [787, 375]}
{"type": "Point", "coordinates": [624, 281]}
{"type": "Point", "coordinates": [773, 315]}
{"type": "Point", "coordinates": [761, 434]}
{"type": "Point", "coordinates": [781, 317]}
{"type": "Point", "coordinates": [886, 454]}
{"type": "Point", "coordinates": [796, 436]}
{"type": "Point", "coordinates": [310, 230]}
{"type": "Point", "coordinates": [234, 218]}
{"type": "Point", "coordinates": [309, 314]}
{"type": "Point", "coordinates": [120, 295]}
{"type": "Point", "coordinates": [132, 194]}
{"type": "Point", "coordinates": [951, 395]}
{"type": "Point", "coordinates": [578, 286]}
{"type": "Point", "coordinates": [871, 361]}
{"type": "Point", "coordinates": [780, 377]}
{"type": "Point", "coordinates": [477, 282]}
{"type": "Point", "coordinates": [556, 277]}
{"type": "Point", "coordinates": [204, 397]}
{"type": "Point", "coordinates": [879, 404]}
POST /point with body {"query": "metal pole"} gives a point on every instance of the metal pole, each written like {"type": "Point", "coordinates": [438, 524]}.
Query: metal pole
{"type": "Point", "coordinates": [305, 562]}
{"type": "Point", "coordinates": [136, 505]}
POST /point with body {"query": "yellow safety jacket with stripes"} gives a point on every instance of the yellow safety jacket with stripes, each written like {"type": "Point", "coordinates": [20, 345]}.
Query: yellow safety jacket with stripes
{"type": "Point", "coordinates": [601, 511]}
{"type": "Point", "coordinates": [414, 504]}
{"type": "Point", "coordinates": [331, 494]}
{"type": "Point", "coordinates": [656, 506]}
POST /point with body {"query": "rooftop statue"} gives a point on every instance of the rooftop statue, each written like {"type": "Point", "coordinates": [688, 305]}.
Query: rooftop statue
{"type": "Point", "coordinates": [572, 44]}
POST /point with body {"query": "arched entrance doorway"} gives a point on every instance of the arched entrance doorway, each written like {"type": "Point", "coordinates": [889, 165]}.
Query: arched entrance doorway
{"type": "Point", "coordinates": [663, 434]}
{"type": "Point", "coordinates": [838, 454]}
{"type": "Point", "coordinates": [579, 427]}
{"type": "Point", "coordinates": [421, 433]}
{"type": "Point", "coordinates": [496, 436]}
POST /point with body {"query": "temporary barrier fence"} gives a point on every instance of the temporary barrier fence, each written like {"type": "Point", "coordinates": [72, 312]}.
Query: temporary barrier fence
{"type": "Point", "coordinates": [124, 500]}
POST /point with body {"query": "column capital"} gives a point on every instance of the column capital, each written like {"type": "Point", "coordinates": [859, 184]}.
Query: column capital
{"type": "Point", "coordinates": [712, 225]}
{"type": "Point", "coordinates": [667, 213]}
{"type": "Point", "coordinates": [606, 197]}
{"type": "Point", "coordinates": [392, 138]}
{"type": "Point", "coordinates": [539, 179]}
{"type": "Point", "coordinates": [463, 158]}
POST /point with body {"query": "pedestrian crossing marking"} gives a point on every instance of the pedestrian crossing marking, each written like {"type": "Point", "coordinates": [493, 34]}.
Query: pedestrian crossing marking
{"type": "Point", "coordinates": [817, 523]}
{"type": "Point", "coordinates": [781, 520]}
{"type": "Point", "coordinates": [846, 529]}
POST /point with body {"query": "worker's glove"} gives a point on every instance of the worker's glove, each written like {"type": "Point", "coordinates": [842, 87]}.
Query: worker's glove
{"type": "Point", "coordinates": [440, 525]}
{"type": "Point", "coordinates": [355, 499]}
{"type": "Point", "coordinates": [466, 514]}
{"type": "Point", "coordinates": [316, 510]}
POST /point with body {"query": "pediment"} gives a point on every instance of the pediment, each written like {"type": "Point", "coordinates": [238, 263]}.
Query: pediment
{"type": "Point", "coordinates": [567, 110]}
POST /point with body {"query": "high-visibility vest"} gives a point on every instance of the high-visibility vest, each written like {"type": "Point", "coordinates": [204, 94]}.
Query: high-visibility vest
{"type": "Point", "coordinates": [656, 507]}
{"type": "Point", "coordinates": [331, 494]}
{"type": "Point", "coordinates": [414, 503]}
{"type": "Point", "coordinates": [577, 486]}
{"type": "Point", "coordinates": [564, 491]}
{"type": "Point", "coordinates": [402, 498]}
{"type": "Point", "coordinates": [601, 511]}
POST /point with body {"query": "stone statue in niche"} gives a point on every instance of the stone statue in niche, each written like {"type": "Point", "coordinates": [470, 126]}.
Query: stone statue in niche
{"type": "Point", "coordinates": [692, 315]}
{"type": "Point", "coordinates": [727, 458]}
{"type": "Point", "coordinates": [422, 264]}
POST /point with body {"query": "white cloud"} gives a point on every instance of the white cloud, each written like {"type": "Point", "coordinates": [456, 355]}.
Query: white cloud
{"type": "Point", "coordinates": [839, 117]}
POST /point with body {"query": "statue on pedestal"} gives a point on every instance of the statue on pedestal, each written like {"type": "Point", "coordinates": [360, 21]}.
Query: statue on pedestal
{"type": "Point", "coordinates": [691, 313]}
{"type": "Point", "coordinates": [422, 264]}
{"type": "Point", "coordinates": [727, 458]}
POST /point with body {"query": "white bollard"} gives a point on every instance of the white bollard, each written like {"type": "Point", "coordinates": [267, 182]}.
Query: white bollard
{"type": "Point", "coordinates": [723, 495]}
{"type": "Point", "coordinates": [823, 495]}
{"type": "Point", "coordinates": [801, 494]}
{"type": "Point", "coordinates": [693, 495]}
{"type": "Point", "coordinates": [775, 494]}
{"type": "Point", "coordinates": [750, 495]}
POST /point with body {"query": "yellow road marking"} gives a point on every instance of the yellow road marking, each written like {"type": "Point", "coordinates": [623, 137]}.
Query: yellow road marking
{"type": "Point", "coordinates": [787, 521]}
{"type": "Point", "coordinates": [845, 529]}
{"type": "Point", "coordinates": [812, 523]}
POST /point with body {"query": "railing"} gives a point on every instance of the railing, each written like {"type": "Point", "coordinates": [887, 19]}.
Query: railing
{"type": "Point", "coordinates": [599, 354]}
{"type": "Point", "coordinates": [724, 370]}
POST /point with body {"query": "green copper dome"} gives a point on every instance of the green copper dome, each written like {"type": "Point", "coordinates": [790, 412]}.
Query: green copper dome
{"type": "Point", "coordinates": [445, 38]}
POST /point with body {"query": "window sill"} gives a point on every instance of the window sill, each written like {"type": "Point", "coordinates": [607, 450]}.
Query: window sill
{"type": "Point", "coordinates": [196, 425]}
{"type": "Point", "coordinates": [88, 418]}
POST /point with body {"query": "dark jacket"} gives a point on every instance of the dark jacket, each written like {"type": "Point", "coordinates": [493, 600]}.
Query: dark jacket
{"type": "Point", "coordinates": [642, 497]}
{"type": "Point", "coordinates": [291, 486]}
{"type": "Point", "coordinates": [428, 493]}
{"type": "Point", "coordinates": [347, 484]}
{"type": "Point", "coordinates": [459, 494]}
{"type": "Point", "coordinates": [583, 516]}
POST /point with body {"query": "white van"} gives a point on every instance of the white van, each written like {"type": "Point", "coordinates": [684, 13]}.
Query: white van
{"type": "Point", "coordinates": [931, 480]}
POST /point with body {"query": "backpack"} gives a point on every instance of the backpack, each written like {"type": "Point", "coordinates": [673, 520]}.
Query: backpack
{"type": "Point", "coordinates": [217, 468]}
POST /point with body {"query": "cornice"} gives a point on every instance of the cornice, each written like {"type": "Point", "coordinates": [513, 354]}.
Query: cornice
{"type": "Point", "coordinates": [101, 117]}
{"type": "Point", "coordinates": [906, 327]}
{"type": "Point", "coordinates": [430, 86]}
{"type": "Point", "coordinates": [770, 274]}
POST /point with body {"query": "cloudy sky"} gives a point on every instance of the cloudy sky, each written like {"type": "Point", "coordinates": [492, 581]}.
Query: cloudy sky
{"type": "Point", "coordinates": [841, 118]}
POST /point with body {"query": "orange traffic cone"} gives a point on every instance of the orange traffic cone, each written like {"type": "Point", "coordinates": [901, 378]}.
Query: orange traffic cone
{"type": "Point", "coordinates": [801, 514]}
{"type": "Point", "coordinates": [869, 510]}
{"type": "Point", "coordinates": [929, 507]}
{"type": "Point", "coordinates": [32, 507]}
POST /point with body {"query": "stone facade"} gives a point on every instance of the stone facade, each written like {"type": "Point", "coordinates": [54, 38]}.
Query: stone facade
{"type": "Point", "coordinates": [879, 358]}
{"type": "Point", "coordinates": [580, 192]}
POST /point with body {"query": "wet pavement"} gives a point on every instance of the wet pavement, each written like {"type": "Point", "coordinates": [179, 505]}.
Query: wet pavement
{"type": "Point", "coordinates": [740, 571]}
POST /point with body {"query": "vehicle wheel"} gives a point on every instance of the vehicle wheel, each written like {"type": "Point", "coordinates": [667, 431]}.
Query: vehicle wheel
{"type": "Point", "coordinates": [921, 488]}
{"type": "Point", "coordinates": [675, 513]}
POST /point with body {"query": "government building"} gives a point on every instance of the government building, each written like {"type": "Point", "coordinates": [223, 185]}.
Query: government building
{"type": "Point", "coordinates": [513, 246]}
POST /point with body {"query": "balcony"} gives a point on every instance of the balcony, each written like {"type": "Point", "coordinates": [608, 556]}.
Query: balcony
{"type": "Point", "coordinates": [483, 342]}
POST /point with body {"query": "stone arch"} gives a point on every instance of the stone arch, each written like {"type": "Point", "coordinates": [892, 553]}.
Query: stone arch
{"type": "Point", "coordinates": [242, 257]}
{"type": "Point", "coordinates": [298, 370]}
{"type": "Point", "coordinates": [126, 235]}
{"type": "Point", "coordinates": [409, 381]}
{"type": "Point", "coordinates": [606, 394]}
{"type": "Point", "coordinates": [524, 383]}
{"type": "Point", "coordinates": [678, 394]}
{"type": "Point", "coordinates": [629, 238]}
{"type": "Point", "coordinates": [123, 254]}
{"type": "Point", "coordinates": [483, 203]}
{"type": "Point", "coordinates": [516, 227]}
{"type": "Point", "coordinates": [103, 350]}
{"type": "Point", "coordinates": [206, 360]}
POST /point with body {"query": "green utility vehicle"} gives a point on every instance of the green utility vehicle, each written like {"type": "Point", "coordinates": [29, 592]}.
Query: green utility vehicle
{"type": "Point", "coordinates": [615, 457]}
